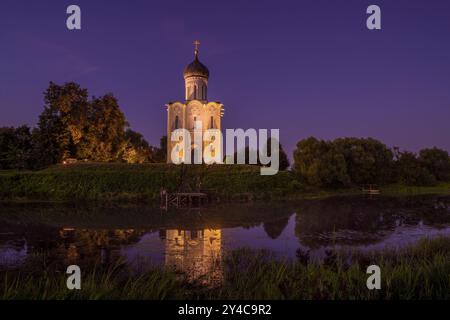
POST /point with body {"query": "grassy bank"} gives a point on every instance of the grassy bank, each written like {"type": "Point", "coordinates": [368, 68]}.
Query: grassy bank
{"type": "Point", "coordinates": [419, 272]}
{"type": "Point", "coordinates": [121, 182]}
{"type": "Point", "coordinates": [136, 182]}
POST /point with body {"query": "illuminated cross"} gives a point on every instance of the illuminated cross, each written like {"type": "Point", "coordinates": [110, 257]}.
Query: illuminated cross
{"type": "Point", "coordinates": [196, 46]}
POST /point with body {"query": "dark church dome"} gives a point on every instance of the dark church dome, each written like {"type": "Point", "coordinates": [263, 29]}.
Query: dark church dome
{"type": "Point", "coordinates": [196, 69]}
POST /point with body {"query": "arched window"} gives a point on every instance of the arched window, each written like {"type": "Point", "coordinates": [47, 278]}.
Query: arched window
{"type": "Point", "coordinates": [177, 122]}
{"type": "Point", "coordinates": [195, 92]}
{"type": "Point", "coordinates": [211, 126]}
{"type": "Point", "coordinates": [195, 125]}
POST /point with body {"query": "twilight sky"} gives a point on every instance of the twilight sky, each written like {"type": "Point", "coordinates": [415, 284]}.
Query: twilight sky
{"type": "Point", "coordinates": [305, 67]}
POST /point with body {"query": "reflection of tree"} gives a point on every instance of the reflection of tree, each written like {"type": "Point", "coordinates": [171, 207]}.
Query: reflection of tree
{"type": "Point", "coordinates": [319, 222]}
{"type": "Point", "coordinates": [76, 244]}
{"type": "Point", "coordinates": [274, 228]}
{"type": "Point", "coordinates": [361, 220]}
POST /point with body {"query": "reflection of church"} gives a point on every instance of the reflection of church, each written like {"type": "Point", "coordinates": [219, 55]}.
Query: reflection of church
{"type": "Point", "coordinates": [196, 253]}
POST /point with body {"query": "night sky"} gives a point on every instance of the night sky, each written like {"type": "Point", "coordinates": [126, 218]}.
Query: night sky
{"type": "Point", "coordinates": [305, 67]}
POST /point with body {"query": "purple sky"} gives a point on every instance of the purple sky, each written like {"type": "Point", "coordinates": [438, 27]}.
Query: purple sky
{"type": "Point", "coordinates": [305, 67]}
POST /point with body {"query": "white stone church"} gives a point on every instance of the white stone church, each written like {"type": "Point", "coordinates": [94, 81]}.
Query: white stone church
{"type": "Point", "coordinates": [196, 107]}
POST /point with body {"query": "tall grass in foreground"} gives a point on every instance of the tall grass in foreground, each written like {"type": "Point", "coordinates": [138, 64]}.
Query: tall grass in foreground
{"type": "Point", "coordinates": [418, 272]}
{"type": "Point", "coordinates": [98, 284]}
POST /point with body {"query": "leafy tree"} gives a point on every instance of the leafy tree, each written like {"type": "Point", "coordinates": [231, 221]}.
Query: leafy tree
{"type": "Point", "coordinates": [320, 163]}
{"type": "Point", "coordinates": [410, 171]}
{"type": "Point", "coordinates": [332, 169]}
{"type": "Point", "coordinates": [160, 154]}
{"type": "Point", "coordinates": [137, 150]}
{"type": "Point", "coordinates": [367, 160]}
{"type": "Point", "coordinates": [72, 126]}
{"type": "Point", "coordinates": [15, 148]}
{"type": "Point", "coordinates": [63, 121]}
{"type": "Point", "coordinates": [104, 134]}
{"type": "Point", "coordinates": [437, 162]}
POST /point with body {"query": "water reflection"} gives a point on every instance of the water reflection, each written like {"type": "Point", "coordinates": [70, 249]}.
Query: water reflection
{"type": "Point", "coordinates": [196, 242]}
{"type": "Point", "coordinates": [360, 221]}
{"type": "Point", "coordinates": [197, 253]}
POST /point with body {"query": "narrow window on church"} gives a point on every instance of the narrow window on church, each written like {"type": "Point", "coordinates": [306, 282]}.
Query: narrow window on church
{"type": "Point", "coordinates": [176, 122]}
{"type": "Point", "coordinates": [195, 92]}
{"type": "Point", "coordinates": [195, 119]}
{"type": "Point", "coordinates": [212, 123]}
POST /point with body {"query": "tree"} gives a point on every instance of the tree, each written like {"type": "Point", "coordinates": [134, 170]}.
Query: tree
{"type": "Point", "coordinates": [137, 150]}
{"type": "Point", "coordinates": [343, 161]}
{"type": "Point", "coordinates": [367, 160]}
{"type": "Point", "coordinates": [104, 134]}
{"type": "Point", "coordinates": [332, 169]}
{"type": "Point", "coordinates": [15, 148]}
{"type": "Point", "coordinates": [160, 154]}
{"type": "Point", "coordinates": [320, 163]}
{"type": "Point", "coordinates": [437, 162]}
{"type": "Point", "coordinates": [62, 123]}
{"type": "Point", "coordinates": [72, 126]}
{"type": "Point", "coordinates": [410, 171]}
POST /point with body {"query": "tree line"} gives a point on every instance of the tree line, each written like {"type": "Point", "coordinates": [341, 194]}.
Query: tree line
{"type": "Point", "coordinates": [74, 126]}
{"type": "Point", "coordinates": [347, 162]}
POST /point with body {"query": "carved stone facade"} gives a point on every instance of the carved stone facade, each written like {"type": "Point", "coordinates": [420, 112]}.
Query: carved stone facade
{"type": "Point", "coordinates": [185, 115]}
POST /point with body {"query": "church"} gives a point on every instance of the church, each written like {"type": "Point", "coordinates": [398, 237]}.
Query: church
{"type": "Point", "coordinates": [195, 110]}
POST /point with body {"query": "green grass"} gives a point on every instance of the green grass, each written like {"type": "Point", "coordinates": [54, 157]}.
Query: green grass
{"type": "Point", "coordinates": [96, 285]}
{"type": "Point", "coordinates": [122, 182]}
{"type": "Point", "coordinates": [135, 182]}
{"type": "Point", "coordinates": [418, 272]}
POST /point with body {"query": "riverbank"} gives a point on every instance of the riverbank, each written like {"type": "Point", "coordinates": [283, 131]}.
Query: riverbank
{"type": "Point", "coordinates": [418, 272]}
{"type": "Point", "coordinates": [124, 182]}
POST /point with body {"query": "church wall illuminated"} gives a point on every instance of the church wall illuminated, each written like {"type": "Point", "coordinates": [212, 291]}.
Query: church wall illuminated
{"type": "Point", "coordinates": [195, 108]}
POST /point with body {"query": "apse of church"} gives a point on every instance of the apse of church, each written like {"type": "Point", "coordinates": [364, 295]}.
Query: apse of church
{"type": "Point", "coordinates": [195, 109]}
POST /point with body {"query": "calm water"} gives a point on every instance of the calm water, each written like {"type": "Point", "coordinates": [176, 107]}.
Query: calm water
{"type": "Point", "coordinates": [194, 240]}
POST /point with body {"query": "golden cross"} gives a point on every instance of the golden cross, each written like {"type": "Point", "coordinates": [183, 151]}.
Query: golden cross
{"type": "Point", "coordinates": [196, 44]}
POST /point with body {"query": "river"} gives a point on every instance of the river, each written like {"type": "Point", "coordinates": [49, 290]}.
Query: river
{"type": "Point", "coordinates": [194, 240]}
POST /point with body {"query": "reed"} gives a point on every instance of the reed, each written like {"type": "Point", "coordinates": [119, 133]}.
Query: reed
{"type": "Point", "coordinates": [418, 272]}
